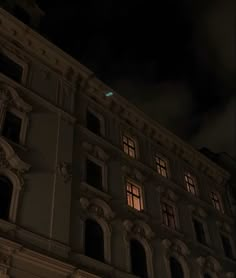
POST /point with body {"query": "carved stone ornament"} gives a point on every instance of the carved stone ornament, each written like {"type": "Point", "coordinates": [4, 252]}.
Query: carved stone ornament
{"type": "Point", "coordinates": [65, 171]}
{"type": "Point", "coordinates": [224, 227]}
{"type": "Point", "coordinates": [95, 151]}
{"type": "Point", "coordinates": [97, 207]}
{"type": "Point", "coordinates": [209, 263]}
{"type": "Point", "coordinates": [133, 173]}
{"type": "Point", "coordinates": [139, 228]}
{"type": "Point", "coordinates": [4, 259]}
{"type": "Point", "coordinates": [9, 159]}
{"type": "Point", "coordinates": [198, 211]}
{"type": "Point", "coordinates": [230, 275]}
{"type": "Point", "coordinates": [9, 96]}
{"type": "Point", "coordinates": [177, 246]}
{"type": "Point", "coordinates": [168, 194]}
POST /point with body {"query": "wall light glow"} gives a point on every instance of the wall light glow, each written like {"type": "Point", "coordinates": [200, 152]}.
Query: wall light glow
{"type": "Point", "coordinates": [109, 94]}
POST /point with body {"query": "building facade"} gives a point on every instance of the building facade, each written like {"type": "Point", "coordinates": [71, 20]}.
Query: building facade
{"type": "Point", "coordinates": [90, 186]}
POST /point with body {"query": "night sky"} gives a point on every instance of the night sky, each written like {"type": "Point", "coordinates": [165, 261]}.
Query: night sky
{"type": "Point", "coordinates": [173, 59]}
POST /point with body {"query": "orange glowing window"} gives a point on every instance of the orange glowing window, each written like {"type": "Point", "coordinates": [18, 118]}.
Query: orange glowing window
{"type": "Point", "coordinates": [161, 166]}
{"type": "Point", "coordinates": [168, 215]}
{"type": "Point", "coordinates": [129, 146]}
{"type": "Point", "coordinates": [215, 198]}
{"type": "Point", "coordinates": [134, 196]}
{"type": "Point", "coordinates": [190, 183]}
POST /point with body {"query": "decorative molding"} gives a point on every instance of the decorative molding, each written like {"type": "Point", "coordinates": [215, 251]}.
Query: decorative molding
{"type": "Point", "coordinates": [209, 263]}
{"type": "Point", "coordinates": [65, 171]}
{"type": "Point", "coordinates": [198, 211]}
{"type": "Point", "coordinates": [224, 226]}
{"type": "Point", "coordinates": [133, 173]}
{"type": "Point", "coordinates": [176, 246]}
{"type": "Point", "coordinates": [95, 151]}
{"type": "Point", "coordinates": [168, 194]}
{"type": "Point", "coordinates": [97, 207]}
{"type": "Point", "coordinates": [138, 228]}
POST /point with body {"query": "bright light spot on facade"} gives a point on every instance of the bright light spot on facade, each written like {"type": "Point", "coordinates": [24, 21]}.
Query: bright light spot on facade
{"type": "Point", "coordinates": [109, 94]}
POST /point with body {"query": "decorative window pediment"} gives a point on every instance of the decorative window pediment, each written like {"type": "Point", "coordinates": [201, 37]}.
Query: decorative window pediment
{"type": "Point", "coordinates": [138, 228]}
{"type": "Point", "coordinates": [12, 169]}
{"type": "Point", "coordinates": [13, 115]}
{"type": "Point", "coordinates": [209, 264]}
{"type": "Point", "coordinates": [95, 151]}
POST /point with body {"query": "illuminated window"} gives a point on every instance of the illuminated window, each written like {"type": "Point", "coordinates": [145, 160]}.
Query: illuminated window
{"type": "Point", "coordinates": [190, 183]}
{"type": "Point", "coordinates": [129, 146]}
{"type": "Point", "coordinates": [134, 196]}
{"type": "Point", "coordinates": [216, 201]}
{"type": "Point", "coordinates": [161, 165]}
{"type": "Point", "coordinates": [168, 215]}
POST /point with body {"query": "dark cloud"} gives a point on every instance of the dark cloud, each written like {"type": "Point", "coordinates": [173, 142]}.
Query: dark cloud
{"type": "Point", "coordinates": [175, 61]}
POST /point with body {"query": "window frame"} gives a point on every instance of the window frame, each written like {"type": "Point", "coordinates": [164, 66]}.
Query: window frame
{"type": "Point", "coordinates": [166, 161]}
{"type": "Point", "coordinates": [141, 190]}
{"type": "Point", "coordinates": [175, 210]}
{"type": "Point", "coordinates": [103, 171]}
{"type": "Point", "coordinates": [232, 244]}
{"type": "Point", "coordinates": [188, 174]}
{"type": "Point", "coordinates": [216, 193]}
{"type": "Point", "coordinates": [101, 119]}
{"type": "Point", "coordinates": [205, 228]}
{"type": "Point", "coordinates": [18, 61]}
{"type": "Point", "coordinates": [135, 149]}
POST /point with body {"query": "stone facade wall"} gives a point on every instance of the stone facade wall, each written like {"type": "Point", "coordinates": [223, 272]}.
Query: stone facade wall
{"type": "Point", "coordinates": [45, 237]}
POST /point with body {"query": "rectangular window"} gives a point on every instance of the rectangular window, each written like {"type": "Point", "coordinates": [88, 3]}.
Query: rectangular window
{"type": "Point", "coordinates": [11, 127]}
{"type": "Point", "coordinates": [227, 246]}
{"type": "Point", "coordinates": [216, 201]}
{"type": "Point", "coordinates": [129, 146]}
{"type": "Point", "coordinates": [190, 183]}
{"type": "Point", "coordinates": [93, 123]}
{"type": "Point", "coordinates": [199, 231]}
{"type": "Point", "coordinates": [10, 68]}
{"type": "Point", "coordinates": [168, 215]}
{"type": "Point", "coordinates": [134, 196]}
{"type": "Point", "coordinates": [161, 165]}
{"type": "Point", "coordinates": [94, 175]}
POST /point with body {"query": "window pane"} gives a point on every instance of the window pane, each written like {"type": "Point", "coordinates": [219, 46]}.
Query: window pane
{"type": "Point", "coordinates": [227, 246]}
{"type": "Point", "coordinates": [5, 197]}
{"type": "Point", "coordinates": [138, 259]}
{"type": "Point", "coordinates": [136, 203]}
{"type": "Point", "coordinates": [176, 269]}
{"type": "Point", "coordinates": [93, 123]}
{"type": "Point", "coordinates": [11, 127]}
{"type": "Point", "coordinates": [199, 231]}
{"type": "Point", "coordinates": [94, 240]}
{"type": "Point", "coordinates": [10, 68]}
{"type": "Point", "coordinates": [94, 174]}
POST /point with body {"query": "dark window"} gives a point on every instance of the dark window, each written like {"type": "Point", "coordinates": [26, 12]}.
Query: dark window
{"type": "Point", "coordinates": [199, 231]}
{"type": "Point", "coordinates": [94, 240]}
{"type": "Point", "coordinates": [207, 275]}
{"type": "Point", "coordinates": [5, 197]}
{"type": "Point", "coordinates": [227, 246]}
{"type": "Point", "coordinates": [168, 215]}
{"type": "Point", "coordinates": [161, 166]}
{"type": "Point", "coordinates": [94, 174]}
{"type": "Point", "coordinates": [138, 259]}
{"type": "Point", "coordinates": [93, 123]}
{"type": "Point", "coordinates": [11, 127]}
{"type": "Point", "coordinates": [21, 14]}
{"type": "Point", "coordinates": [216, 201]}
{"type": "Point", "coordinates": [10, 68]}
{"type": "Point", "coordinates": [176, 268]}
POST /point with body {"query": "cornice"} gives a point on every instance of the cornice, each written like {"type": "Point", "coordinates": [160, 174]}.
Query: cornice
{"type": "Point", "coordinates": [79, 75]}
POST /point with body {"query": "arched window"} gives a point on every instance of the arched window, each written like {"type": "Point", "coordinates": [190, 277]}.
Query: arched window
{"type": "Point", "coordinates": [5, 197]}
{"type": "Point", "coordinates": [94, 240]}
{"type": "Point", "coordinates": [206, 275]}
{"type": "Point", "coordinates": [138, 259]}
{"type": "Point", "coordinates": [176, 268]}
